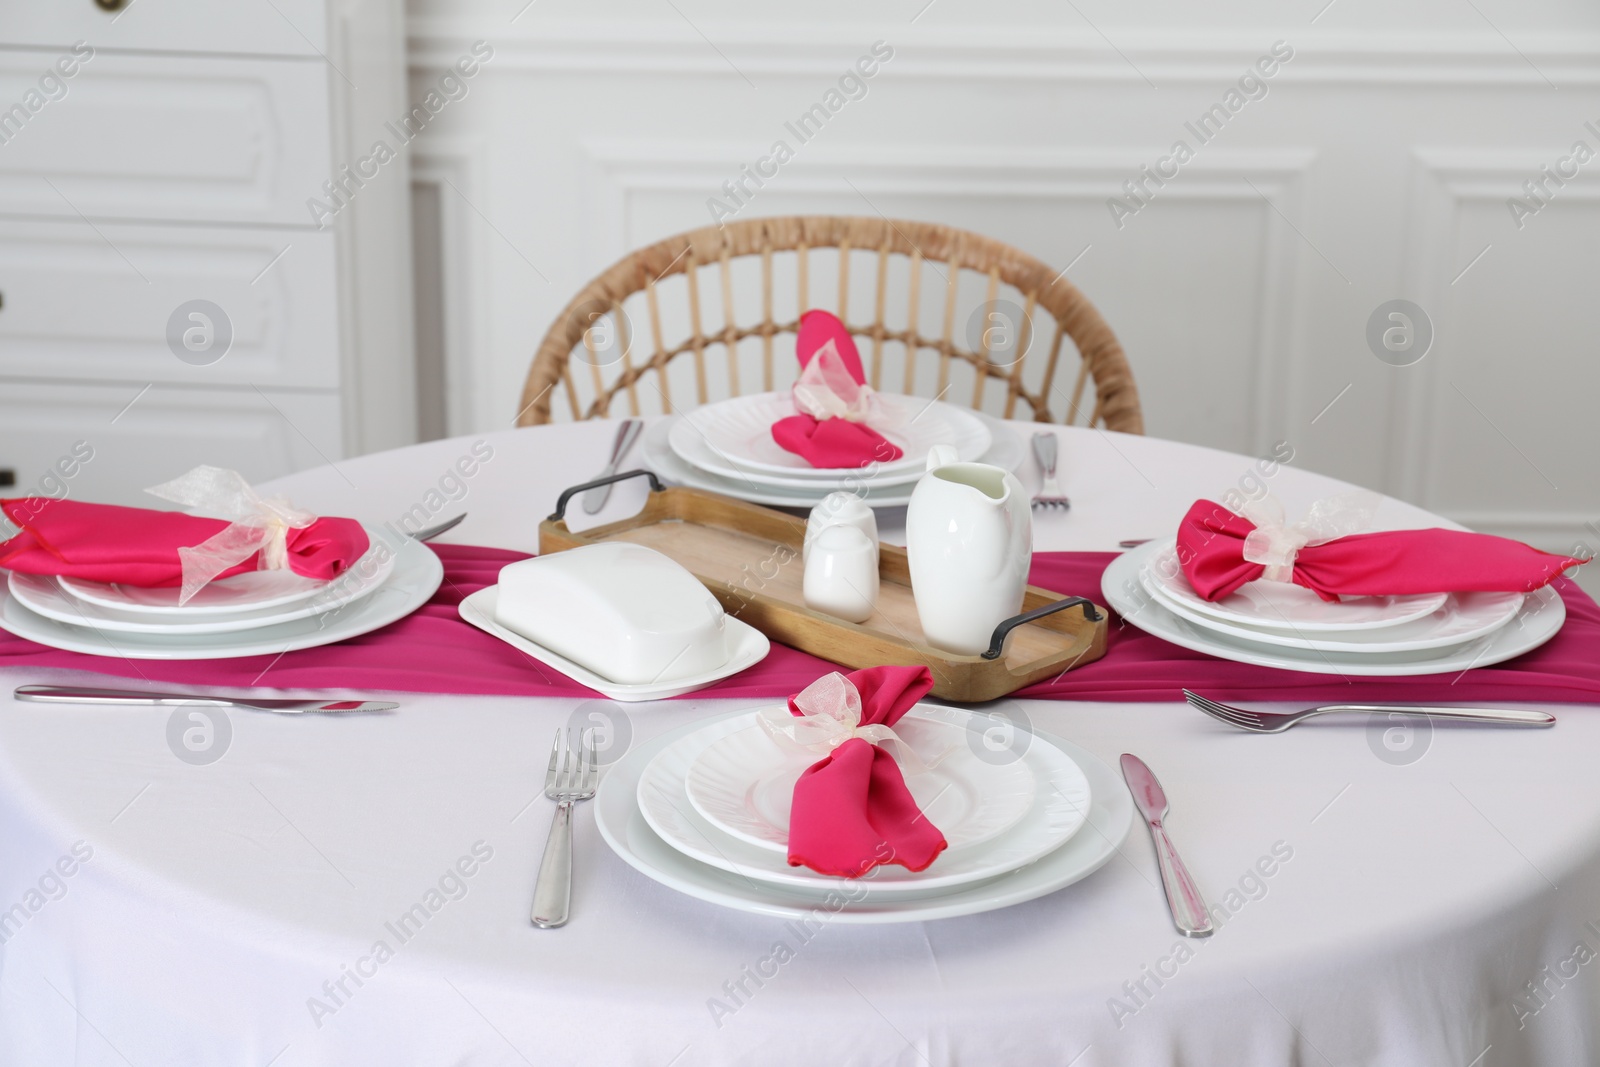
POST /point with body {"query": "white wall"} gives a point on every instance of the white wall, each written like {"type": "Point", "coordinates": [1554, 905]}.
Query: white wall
{"type": "Point", "coordinates": [1377, 167]}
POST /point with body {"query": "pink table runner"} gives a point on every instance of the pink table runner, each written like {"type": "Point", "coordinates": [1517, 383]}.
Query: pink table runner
{"type": "Point", "coordinates": [434, 651]}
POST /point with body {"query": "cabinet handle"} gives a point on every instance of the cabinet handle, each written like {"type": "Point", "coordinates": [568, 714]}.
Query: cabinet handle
{"type": "Point", "coordinates": [110, 5]}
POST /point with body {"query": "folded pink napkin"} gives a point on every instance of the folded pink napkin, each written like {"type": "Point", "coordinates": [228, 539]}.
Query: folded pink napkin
{"type": "Point", "coordinates": [1212, 551]}
{"type": "Point", "coordinates": [139, 546]}
{"type": "Point", "coordinates": [833, 399]}
{"type": "Point", "coordinates": [851, 810]}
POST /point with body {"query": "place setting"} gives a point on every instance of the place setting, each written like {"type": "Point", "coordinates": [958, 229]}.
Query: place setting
{"type": "Point", "coordinates": [830, 432]}
{"type": "Point", "coordinates": [858, 797]}
{"type": "Point", "coordinates": [1328, 595]}
{"type": "Point", "coordinates": [230, 575]}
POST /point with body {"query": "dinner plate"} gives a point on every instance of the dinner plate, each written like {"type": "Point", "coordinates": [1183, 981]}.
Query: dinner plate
{"type": "Point", "coordinates": [733, 437]}
{"type": "Point", "coordinates": [1007, 451]}
{"type": "Point", "coordinates": [1538, 620]}
{"type": "Point", "coordinates": [1053, 815]}
{"type": "Point", "coordinates": [750, 646]}
{"type": "Point", "coordinates": [702, 457]}
{"type": "Point", "coordinates": [46, 596]}
{"type": "Point", "coordinates": [1463, 617]}
{"type": "Point", "coordinates": [416, 576]}
{"type": "Point", "coordinates": [743, 783]}
{"type": "Point", "coordinates": [623, 827]}
{"type": "Point", "coordinates": [1281, 606]}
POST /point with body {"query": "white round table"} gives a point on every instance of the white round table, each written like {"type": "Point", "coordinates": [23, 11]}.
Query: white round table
{"type": "Point", "coordinates": [355, 890]}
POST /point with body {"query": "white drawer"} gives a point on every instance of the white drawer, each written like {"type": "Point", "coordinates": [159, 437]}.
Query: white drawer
{"type": "Point", "coordinates": [165, 138]}
{"type": "Point", "coordinates": [81, 301]}
{"type": "Point", "coordinates": [164, 433]}
{"type": "Point", "coordinates": [282, 27]}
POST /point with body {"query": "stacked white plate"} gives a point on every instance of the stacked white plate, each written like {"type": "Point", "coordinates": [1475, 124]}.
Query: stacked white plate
{"type": "Point", "coordinates": [705, 810]}
{"type": "Point", "coordinates": [257, 613]}
{"type": "Point", "coordinates": [1275, 624]}
{"type": "Point", "coordinates": [727, 447]}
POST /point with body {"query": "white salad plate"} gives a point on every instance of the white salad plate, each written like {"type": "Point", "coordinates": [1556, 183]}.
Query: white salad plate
{"type": "Point", "coordinates": [623, 826]}
{"type": "Point", "coordinates": [1539, 619]}
{"type": "Point", "coordinates": [415, 577]}
{"type": "Point", "coordinates": [1463, 617]}
{"type": "Point", "coordinates": [253, 591]}
{"type": "Point", "coordinates": [748, 646]}
{"type": "Point", "coordinates": [47, 596]}
{"type": "Point", "coordinates": [1006, 450]}
{"type": "Point", "coordinates": [1281, 606]}
{"type": "Point", "coordinates": [734, 436]}
{"type": "Point", "coordinates": [743, 783]}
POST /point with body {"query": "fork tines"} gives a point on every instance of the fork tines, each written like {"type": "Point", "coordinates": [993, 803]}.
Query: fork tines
{"type": "Point", "coordinates": [561, 777]}
{"type": "Point", "coordinates": [1247, 720]}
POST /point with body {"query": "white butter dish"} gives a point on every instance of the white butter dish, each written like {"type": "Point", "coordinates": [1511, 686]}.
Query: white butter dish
{"type": "Point", "coordinates": [747, 646]}
{"type": "Point", "coordinates": [625, 612]}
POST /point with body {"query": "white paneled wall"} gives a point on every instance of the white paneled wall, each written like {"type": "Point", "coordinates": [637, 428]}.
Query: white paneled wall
{"type": "Point", "coordinates": [1374, 164]}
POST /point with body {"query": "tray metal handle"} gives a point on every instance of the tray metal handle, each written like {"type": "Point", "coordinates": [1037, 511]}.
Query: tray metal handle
{"type": "Point", "coordinates": [568, 494]}
{"type": "Point", "coordinates": [1001, 632]}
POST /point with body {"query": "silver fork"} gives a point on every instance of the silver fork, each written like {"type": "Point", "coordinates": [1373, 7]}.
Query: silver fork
{"type": "Point", "coordinates": [566, 782]}
{"type": "Point", "coordinates": [1049, 494]}
{"type": "Point", "coordinates": [1263, 722]}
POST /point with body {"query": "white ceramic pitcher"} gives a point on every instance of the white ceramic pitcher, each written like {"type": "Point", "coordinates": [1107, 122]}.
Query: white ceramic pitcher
{"type": "Point", "coordinates": [969, 540]}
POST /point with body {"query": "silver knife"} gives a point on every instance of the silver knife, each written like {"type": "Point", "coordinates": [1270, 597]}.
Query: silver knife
{"type": "Point", "coordinates": [627, 433]}
{"type": "Point", "coordinates": [1189, 911]}
{"type": "Point", "coordinates": [68, 694]}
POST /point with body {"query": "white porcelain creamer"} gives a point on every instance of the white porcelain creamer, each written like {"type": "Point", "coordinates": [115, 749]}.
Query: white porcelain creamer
{"type": "Point", "coordinates": [969, 540]}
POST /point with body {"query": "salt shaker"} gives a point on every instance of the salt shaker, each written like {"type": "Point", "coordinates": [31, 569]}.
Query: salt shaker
{"type": "Point", "coordinates": [841, 573]}
{"type": "Point", "coordinates": [847, 509]}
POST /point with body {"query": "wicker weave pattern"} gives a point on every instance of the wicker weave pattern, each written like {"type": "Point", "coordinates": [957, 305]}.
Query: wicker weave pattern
{"type": "Point", "coordinates": [1102, 363]}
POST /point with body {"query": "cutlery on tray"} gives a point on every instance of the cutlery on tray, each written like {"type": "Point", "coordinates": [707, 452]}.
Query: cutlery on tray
{"type": "Point", "coordinates": [1049, 494]}
{"type": "Point", "coordinates": [429, 533]}
{"type": "Point", "coordinates": [627, 433]}
{"type": "Point", "coordinates": [68, 694]}
{"type": "Point", "coordinates": [1189, 912]}
{"type": "Point", "coordinates": [1264, 722]}
{"type": "Point", "coordinates": [566, 782]}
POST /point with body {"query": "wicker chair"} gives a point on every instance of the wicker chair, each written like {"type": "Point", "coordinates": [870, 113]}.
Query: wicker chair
{"type": "Point", "coordinates": [1045, 295]}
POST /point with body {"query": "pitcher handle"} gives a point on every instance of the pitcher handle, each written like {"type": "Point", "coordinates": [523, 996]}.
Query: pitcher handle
{"type": "Point", "coordinates": [942, 456]}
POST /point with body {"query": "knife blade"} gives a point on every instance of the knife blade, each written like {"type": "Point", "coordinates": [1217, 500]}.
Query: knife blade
{"type": "Point", "coordinates": [627, 433]}
{"type": "Point", "coordinates": [1189, 912]}
{"type": "Point", "coordinates": [67, 694]}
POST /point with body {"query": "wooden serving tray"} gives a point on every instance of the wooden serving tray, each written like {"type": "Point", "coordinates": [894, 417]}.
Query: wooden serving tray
{"type": "Point", "coordinates": [750, 558]}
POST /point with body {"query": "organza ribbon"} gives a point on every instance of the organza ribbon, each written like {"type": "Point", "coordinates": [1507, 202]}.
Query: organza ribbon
{"type": "Point", "coordinates": [1275, 545]}
{"type": "Point", "coordinates": [259, 525]}
{"type": "Point", "coordinates": [832, 707]}
{"type": "Point", "coordinates": [827, 390]}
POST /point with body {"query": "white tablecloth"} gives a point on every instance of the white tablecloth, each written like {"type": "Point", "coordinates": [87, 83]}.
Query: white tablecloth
{"type": "Point", "coordinates": [252, 910]}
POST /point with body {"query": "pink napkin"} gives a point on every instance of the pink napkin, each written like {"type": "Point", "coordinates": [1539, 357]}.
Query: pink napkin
{"type": "Point", "coordinates": [831, 380]}
{"type": "Point", "coordinates": [852, 811]}
{"type": "Point", "coordinates": [139, 546]}
{"type": "Point", "coordinates": [1389, 563]}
